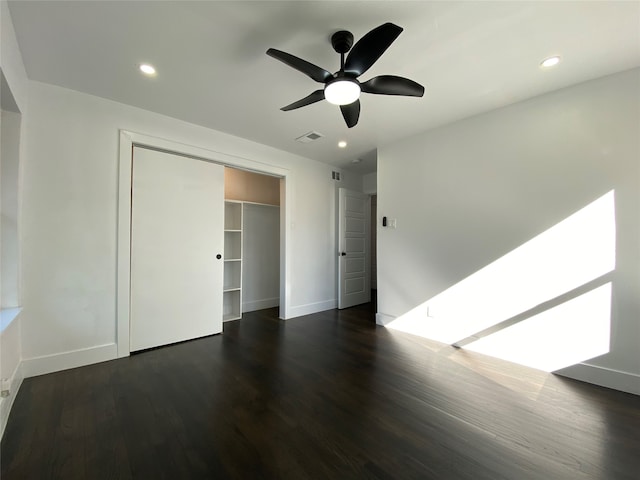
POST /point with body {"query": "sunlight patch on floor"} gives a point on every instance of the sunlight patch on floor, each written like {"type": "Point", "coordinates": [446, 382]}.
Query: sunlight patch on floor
{"type": "Point", "coordinates": [570, 333]}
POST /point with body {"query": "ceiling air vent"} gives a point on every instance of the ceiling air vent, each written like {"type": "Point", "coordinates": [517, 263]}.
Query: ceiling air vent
{"type": "Point", "coordinates": [309, 137]}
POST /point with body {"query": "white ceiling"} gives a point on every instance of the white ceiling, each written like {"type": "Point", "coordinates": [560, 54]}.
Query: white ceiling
{"type": "Point", "coordinates": [212, 68]}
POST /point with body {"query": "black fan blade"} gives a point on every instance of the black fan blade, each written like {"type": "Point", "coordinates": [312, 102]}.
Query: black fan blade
{"type": "Point", "coordinates": [370, 47]}
{"type": "Point", "coordinates": [392, 85]}
{"type": "Point", "coordinates": [351, 113]}
{"type": "Point", "coordinates": [308, 100]}
{"type": "Point", "coordinates": [316, 73]}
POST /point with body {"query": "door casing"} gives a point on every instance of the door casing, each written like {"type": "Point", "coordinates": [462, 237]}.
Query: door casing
{"type": "Point", "coordinates": [123, 268]}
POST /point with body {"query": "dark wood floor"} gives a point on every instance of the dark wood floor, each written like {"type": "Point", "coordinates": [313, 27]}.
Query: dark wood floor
{"type": "Point", "coordinates": [327, 396]}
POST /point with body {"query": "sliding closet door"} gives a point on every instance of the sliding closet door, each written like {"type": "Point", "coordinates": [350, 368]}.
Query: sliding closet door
{"type": "Point", "coordinates": [176, 233]}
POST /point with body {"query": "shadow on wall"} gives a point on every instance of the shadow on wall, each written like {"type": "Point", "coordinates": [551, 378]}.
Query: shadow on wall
{"type": "Point", "coordinates": [546, 304]}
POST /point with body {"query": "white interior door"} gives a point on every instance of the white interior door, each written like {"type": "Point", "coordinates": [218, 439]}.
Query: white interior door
{"type": "Point", "coordinates": [177, 219]}
{"type": "Point", "coordinates": [354, 243]}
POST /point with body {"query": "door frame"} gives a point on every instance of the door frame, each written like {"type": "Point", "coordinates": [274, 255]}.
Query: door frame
{"type": "Point", "coordinates": [130, 139]}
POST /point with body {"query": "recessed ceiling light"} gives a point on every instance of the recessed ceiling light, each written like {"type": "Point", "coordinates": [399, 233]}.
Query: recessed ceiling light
{"type": "Point", "coordinates": [147, 69]}
{"type": "Point", "coordinates": [342, 144]}
{"type": "Point", "coordinates": [356, 160]}
{"type": "Point", "coordinates": [550, 62]}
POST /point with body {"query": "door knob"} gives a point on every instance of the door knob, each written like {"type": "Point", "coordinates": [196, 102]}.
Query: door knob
{"type": "Point", "coordinates": [343, 254]}
{"type": "Point", "coordinates": [218, 256]}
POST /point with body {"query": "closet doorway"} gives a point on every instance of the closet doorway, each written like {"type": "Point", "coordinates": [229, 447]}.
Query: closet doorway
{"type": "Point", "coordinates": [279, 175]}
{"type": "Point", "coordinates": [252, 235]}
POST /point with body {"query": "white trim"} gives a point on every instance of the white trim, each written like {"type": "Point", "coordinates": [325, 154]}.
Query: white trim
{"type": "Point", "coordinates": [260, 304]}
{"type": "Point", "coordinates": [32, 367]}
{"type": "Point", "coordinates": [605, 377]}
{"type": "Point", "coordinates": [127, 141]}
{"type": "Point", "coordinates": [384, 319]}
{"type": "Point", "coordinates": [286, 222]}
{"type": "Point", "coordinates": [310, 308]}
{"type": "Point", "coordinates": [7, 402]}
{"type": "Point", "coordinates": [254, 203]}
{"type": "Point", "coordinates": [123, 253]}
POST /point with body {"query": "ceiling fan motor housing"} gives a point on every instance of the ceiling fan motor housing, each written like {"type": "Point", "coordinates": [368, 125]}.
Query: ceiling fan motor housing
{"type": "Point", "coordinates": [342, 41]}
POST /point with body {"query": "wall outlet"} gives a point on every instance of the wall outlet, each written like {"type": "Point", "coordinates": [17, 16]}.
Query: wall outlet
{"type": "Point", "coordinates": [5, 385]}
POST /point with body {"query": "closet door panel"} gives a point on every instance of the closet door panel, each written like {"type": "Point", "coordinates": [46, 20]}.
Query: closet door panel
{"type": "Point", "coordinates": [177, 223]}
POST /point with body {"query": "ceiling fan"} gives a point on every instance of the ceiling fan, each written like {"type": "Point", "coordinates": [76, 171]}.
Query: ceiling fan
{"type": "Point", "coordinates": [343, 88]}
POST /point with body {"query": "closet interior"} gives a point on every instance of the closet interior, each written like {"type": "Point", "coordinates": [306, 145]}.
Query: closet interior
{"type": "Point", "coordinates": [251, 242]}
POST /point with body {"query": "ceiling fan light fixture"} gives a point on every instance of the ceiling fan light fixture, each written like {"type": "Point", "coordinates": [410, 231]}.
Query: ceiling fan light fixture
{"type": "Point", "coordinates": [342, 91]}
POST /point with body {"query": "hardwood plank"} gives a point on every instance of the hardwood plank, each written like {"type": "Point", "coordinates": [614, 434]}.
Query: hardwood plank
{"type": "Point", "coordinates": [329, 395]}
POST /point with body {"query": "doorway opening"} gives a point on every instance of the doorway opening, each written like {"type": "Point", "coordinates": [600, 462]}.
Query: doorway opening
{"type": "Point", "coordinates": [252, 235]}
{"type": "Point", "coordinates": [354, 238]}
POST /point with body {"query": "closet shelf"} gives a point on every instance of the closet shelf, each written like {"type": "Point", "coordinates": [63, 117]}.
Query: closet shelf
{"type": "Point", "coordinates": [232, 285]}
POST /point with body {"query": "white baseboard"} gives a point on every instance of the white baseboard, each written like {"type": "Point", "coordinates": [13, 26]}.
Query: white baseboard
{"type": "Point", "coordinates": [384, 319]}
{"type": "Point", "coordinates": [605, 377]}
{"type": "Point", "coordinates": [63, 361]}
{"type": "Point", "coordinates": [7, 402]}
{"type": "Point", "coordinates": [260, 304]}
{"type": "Point", "coordinates": [310, 308]}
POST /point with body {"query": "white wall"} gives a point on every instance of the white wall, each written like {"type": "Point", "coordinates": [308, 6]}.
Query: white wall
{"type": "Point", "coordinates": [69, 221]}
{"type": "Point", "coordinates": [468, 193]}
{"type": "Point", "coordinates": [9, 174]}
{"type": "Point", "coordinates": [370, 183]}
{"type": "Point", "coordinates": [350, 180]}
{"type": "Point", "coordinates": [14, 99]}
{"type": "Point", "coordinates": [370, 186]}
{"type": "Point", "coordinates": [10, 330]}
